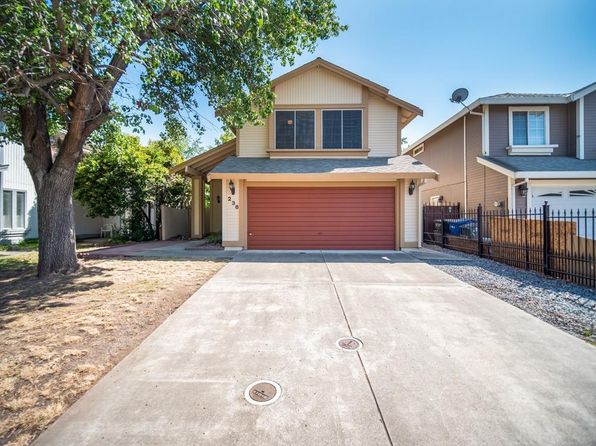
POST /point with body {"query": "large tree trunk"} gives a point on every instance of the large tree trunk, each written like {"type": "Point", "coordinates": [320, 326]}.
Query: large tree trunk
{"type": "Point", "coordinates": [55, 214]}
{"type": "Point", "coordinates": [53, 173]}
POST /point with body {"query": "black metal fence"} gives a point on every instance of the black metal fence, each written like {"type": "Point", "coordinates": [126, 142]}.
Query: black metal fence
{"type": "Point", "coordinates": [556, 243]}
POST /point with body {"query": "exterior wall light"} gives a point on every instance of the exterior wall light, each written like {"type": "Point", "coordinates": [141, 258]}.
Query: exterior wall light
{"type": "Point", "coordinates": [523, 189]}
{"type": "Point", "coordinates": [411, 187]}
{"type": "Point", "coordinates": [232, 187]}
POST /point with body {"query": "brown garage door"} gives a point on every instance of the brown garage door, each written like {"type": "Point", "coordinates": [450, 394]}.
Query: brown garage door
{"type": "Point", "coordinates": [321, 218]}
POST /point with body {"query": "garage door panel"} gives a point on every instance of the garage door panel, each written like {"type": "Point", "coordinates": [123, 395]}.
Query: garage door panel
{"type": "Point", "coordinates": [321, 218]}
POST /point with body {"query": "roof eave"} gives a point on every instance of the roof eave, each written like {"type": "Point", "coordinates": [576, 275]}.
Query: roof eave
{"type": "Point", "coordinates": [327, 176]}
{"type": "Point", "coordinates": [583, 91]}
{"type": "Point", "coordinates": [210, 157]}
{"type": "Point", "coordinates": [529, 100]}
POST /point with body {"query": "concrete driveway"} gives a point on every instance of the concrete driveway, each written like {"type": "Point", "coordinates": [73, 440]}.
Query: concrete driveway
{"type": "Point", "coordinates": [441, 363]}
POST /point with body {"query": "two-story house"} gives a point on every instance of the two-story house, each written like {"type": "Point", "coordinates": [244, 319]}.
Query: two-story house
{"type": "Point", "coordinates": [515, 151]}
{"type": "Point", "coordinates": [322, 172]}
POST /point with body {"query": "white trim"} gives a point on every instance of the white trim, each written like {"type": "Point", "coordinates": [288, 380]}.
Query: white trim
{"type": "Point", "coordinates": [579, 120]}
{"type": "Point", "coordinates": [323, 110]}
{"type": "Point", "coordinates": [532, 150]}
{"type": "Point", "coordinates": [281, 109]}
{"type": "Point", "coordinates": [579, 94]}
{"type": "Point", "coordinates": [417, 152]}
{"type": "Point", "coordinates": [556, 175]}
{"type": "Point", "coordinates": [496, 167]}
{"type": "Point", "coordinates": [485, 130]}
{"type": "Point", "coordinates": [510, 193]}
{"type": "Point", "coordinates": [545, 110]}
{"type": "Point", "coordinates": [564, 183]}
{"type": "Point", "coordinates": [537, 174]}
{"type": "Point", "coordinates": [465, 165]}
{"type": "Point", "coordinates": [13, 218]}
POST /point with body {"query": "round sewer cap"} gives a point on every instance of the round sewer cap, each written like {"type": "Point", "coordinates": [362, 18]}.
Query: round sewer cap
{"type": "Point", "coordinates": [349, 343]}
{"type": "Point", "coordinates": [262, 393]}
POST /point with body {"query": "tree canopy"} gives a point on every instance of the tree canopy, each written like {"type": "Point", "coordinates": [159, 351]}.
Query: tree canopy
{"type": "Point", "coordinates": [153, 54]}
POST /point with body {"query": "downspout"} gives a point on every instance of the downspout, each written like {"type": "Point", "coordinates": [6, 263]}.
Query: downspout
{"type": "Point", "coordinates": [465, 165]}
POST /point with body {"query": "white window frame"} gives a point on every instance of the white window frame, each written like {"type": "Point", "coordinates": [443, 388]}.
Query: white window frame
{"type": "Point", "coordinates": [342, 127]}
{"type": "Point", "coordinates": [531, 149]}
{"type": "Point", "coordinates": [13, 199]}
{"type": "Point", "coordinates": [294, 110]}
{"type": "Point", "coordinates": [418, 150]}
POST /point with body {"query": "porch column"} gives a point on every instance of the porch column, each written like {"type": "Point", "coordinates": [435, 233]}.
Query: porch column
{"type": "Point", "coordinates": [196, 208]}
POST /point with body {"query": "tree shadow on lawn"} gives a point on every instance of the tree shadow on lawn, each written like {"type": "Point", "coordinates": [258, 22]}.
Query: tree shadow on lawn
{"type": "Point", "coordinates": [23, 291]}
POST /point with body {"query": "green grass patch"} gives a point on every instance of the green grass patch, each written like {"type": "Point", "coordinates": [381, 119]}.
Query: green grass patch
{"type": "Point", "coordinates": [31, 244]}
{"type": "Point", "coordinates": [18, 261]}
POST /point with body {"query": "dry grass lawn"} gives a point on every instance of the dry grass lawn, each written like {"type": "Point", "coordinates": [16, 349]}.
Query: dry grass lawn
{"type": "Point", "coordinates": [58, 337]}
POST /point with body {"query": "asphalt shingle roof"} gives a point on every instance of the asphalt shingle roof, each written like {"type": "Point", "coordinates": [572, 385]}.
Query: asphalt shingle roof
{"type": "Point", "coordinates": [543, 163]}
{"type": "Point", "coordinates": [530, 95]}
{"type": "Point", "coordinates": [400, 164]}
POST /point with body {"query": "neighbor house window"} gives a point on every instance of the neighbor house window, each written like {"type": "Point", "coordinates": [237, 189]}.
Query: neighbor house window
{"type": "Point", "coordinates": [342, 129]}
{"type": "Point", "coordinates": [295, 129]}
{"type": "Point", "coordinates": [20, 210]}
{"type": "Point", "coordinates": [418, 150]}
{"type": "Point", "coordinates": [529, 126]}
{"type": "Point", "coordinates": [13, 209]}
{"type": "Point", "coordinates": [7, 209]}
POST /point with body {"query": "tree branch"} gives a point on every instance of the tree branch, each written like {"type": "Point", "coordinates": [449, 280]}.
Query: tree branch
{"type": "Point", "coordinates": [60, 25]}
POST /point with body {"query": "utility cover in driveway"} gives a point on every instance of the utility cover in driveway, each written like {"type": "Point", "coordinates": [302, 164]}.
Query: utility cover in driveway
{"type": "Point", "coordinates": [349, 343]}
{"type": "Point", "coordinates": [262, 392]}
{"type": "Point", "coordinates": [321, 218]}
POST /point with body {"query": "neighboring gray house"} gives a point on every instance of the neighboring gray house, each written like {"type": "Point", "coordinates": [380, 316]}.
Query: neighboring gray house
{"type": "Point", "coordinates": [515, 151]}
{"type": "Point", "coordinates": [18, 205]}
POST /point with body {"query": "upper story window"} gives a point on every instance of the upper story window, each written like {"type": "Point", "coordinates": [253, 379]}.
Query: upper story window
{"type": "Point", "coordinates": [528, 128]}
{"type": "Point", "coordinates": [342, 129]}
{"type": "Point", "coordinates": [295, 129]}
{"type": "Point", "coordinates": [529, 132]}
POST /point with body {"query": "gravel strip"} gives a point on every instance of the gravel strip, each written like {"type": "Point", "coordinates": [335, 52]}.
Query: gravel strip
{"type": "Point", "coordinates": [565, 305]}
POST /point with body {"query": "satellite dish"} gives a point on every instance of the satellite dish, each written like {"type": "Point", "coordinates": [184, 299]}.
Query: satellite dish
{"type": "Point", "coordinates": [459, 95]}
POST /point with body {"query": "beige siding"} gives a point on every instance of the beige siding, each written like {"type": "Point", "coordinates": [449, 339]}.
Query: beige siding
{"type": "Point", "coordinates": [383, 129]}
{"type": "Point", "coordinates": [253, 141]}
{"type": "Point", "coordinates": [475, 171]}
{"type": "Point", "coordinates": [444, 152]}
{"type": "Point", "coordinates": [411, 209]}
{"type": "Point", "coordinates": [484, 185]}
{"type": "Point", "coordinates": [318, 86]}
{"type": "Point", "coordinates": [231, 215]}
{"type": "Point", "coordinates": [495, 189]}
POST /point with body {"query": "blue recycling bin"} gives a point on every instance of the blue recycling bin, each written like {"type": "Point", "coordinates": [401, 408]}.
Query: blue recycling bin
{"type": "Point", "coordinates": [454, 227]}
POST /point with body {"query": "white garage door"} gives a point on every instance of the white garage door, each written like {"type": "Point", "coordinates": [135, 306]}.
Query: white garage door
{"type": "Point", "coordinates": [575, 201]}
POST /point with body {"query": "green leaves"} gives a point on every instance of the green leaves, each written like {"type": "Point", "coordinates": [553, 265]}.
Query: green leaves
{"type": "Point", "coordinates": [224, 48]}
{"type": "Point", "coordinates": [120, 175]}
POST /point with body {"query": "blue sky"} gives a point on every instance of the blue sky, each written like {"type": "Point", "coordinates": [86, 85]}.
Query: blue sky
{"type": "Point", "coordinates": [423, 49]}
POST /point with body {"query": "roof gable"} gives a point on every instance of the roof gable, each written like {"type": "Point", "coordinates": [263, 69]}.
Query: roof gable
{"type": "Point", "coordinates": [408, 111]}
